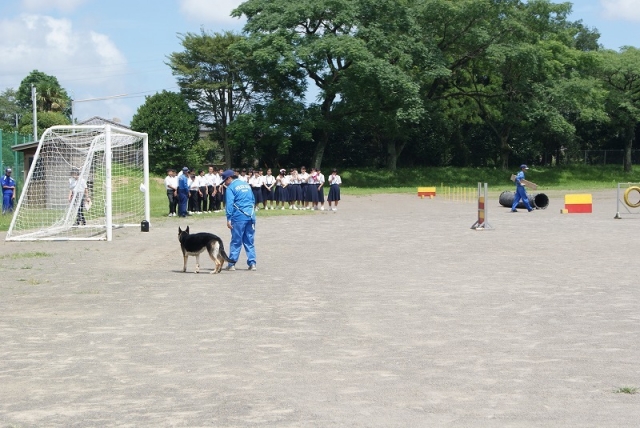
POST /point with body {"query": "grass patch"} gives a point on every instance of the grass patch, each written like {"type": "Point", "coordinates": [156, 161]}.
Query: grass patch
{"type": "Point", "coordinates": [29, 255]}
{"type": "Point", "coordinates": [626, 390]}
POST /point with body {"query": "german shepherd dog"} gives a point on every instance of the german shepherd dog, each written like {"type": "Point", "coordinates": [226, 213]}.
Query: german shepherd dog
{"type": "Point", "coordinates": [193, 245]}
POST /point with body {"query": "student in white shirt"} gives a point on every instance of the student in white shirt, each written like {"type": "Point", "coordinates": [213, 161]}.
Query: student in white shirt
{"type": "Point", "coordinates": [210, 178]}
{"type": "Point", "coordinates": [312, 190]}
{"type": "Point", "coordinates": [334, 189]}
{"type": "Point", "coordinates": [256, 187]}
{"type": "Point", "coordinates": [282, 192]}
{"type": "Point", "coordinates": [304, 182]}
{"type": "Point", "coordinates": [194, 188]}
{"type": "Point", "coordinates": [321, 190]}
{"type": "Point", "coordinates": [268, 196]}
{"type": "Point", "coordinates": [202, 192]}
{"type": "Point", "coordinates": [171, 185]}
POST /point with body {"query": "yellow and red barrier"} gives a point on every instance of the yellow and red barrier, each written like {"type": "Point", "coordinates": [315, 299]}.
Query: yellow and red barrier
{"type": "Point", "coordinates": [428, 192]}
{"type": "Point", "coordinates": [578, 203]}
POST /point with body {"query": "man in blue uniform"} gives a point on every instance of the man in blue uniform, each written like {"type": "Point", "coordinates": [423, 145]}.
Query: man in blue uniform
{"type": "Point", "coordinates": [521, 192]}
{"type": "Point", "coordinates": [241, 219]}
{"type": "Point", "coordinates": [8, 191]}
{"type": "Point", "coordinates": [183, 192]}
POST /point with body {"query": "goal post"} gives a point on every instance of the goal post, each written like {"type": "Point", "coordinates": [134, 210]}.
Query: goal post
{"type": "Point", "coordinates": [84, 181]}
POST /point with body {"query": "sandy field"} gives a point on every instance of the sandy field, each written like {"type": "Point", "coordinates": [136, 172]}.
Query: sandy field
{"type": "Point", "coordinates": [391, 312]}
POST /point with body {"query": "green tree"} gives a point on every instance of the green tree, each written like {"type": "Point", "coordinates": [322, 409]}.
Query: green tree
{"type": "Point", "coordinates": [172, 127]}
{"type": "Point", "coordinates": [9, 109]}
{"type": "Point", "coordinates": [46, 119]}
{"type": "Point", "coordinates": [315, 37]}
{"type": "Point", "coordinates": [620, 74]}
{"type": "Point", "coordinates": [50, 96]}
{"type": "Point", "coordinates": [212, 76]}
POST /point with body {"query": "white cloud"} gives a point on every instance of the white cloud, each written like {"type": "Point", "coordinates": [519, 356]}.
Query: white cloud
{"type": "Point", "coordinates": [627, 10]}
{"type": "Point", "coordinates": [54, 47]}
{"type": "Point", "coordinates": [46, 5]}
{"type": "Point", "coordinates": [87, 64]}
{"type": "Point", "coordinates": [202, 11]}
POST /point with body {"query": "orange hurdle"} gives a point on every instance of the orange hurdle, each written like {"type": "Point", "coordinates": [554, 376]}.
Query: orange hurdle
{"type": "Point", "coordinates": [429, 192]}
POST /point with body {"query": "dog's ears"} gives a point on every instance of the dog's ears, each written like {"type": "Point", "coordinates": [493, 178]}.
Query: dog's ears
{"type": "Point", "coordinates": [187, 229]}
{"type": "Point", "coordinates": [179, 230]}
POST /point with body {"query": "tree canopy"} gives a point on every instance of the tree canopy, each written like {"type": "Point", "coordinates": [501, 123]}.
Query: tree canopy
{"type": "Point", "coordinates": [172, 127]}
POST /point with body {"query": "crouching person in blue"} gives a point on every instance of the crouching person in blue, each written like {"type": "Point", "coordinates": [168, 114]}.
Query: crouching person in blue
{"type": "Point", "coordinates": [8, 192]}
{"type": "Point", "coordinates": [241, 219]}
{"type": "Point", "coordinates": [521, 192]}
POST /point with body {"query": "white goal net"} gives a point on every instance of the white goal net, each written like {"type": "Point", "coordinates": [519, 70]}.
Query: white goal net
{"type": "Point", "coordinates": [85, 180]}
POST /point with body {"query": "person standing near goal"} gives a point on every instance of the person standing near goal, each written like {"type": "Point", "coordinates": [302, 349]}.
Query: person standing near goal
{"type": "Point", "coordinates": [78, 189]}
{"type": "Point", "coordinates": [8, 192]}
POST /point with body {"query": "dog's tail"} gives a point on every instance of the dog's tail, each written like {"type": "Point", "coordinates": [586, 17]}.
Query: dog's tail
{"type": "Point", "coordinates": [223, 253]}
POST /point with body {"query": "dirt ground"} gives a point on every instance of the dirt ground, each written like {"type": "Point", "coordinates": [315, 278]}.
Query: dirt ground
{"type": "Point", "coordinates": [391, 312]}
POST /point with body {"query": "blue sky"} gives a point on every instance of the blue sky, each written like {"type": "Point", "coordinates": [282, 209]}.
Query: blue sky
{"type": "Point", "coordinates": [106, 48]}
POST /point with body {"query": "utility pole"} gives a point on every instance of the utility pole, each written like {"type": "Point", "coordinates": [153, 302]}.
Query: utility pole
{"type": "Point", "coordinates": [35, 113]}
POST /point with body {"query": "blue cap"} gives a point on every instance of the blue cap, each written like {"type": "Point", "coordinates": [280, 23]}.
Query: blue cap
{"type": "Point", "coordinates": [185, 169]}
{"type": "Point", "coordinates": [228, 173]}
{"type": "Point", "coordinates": [523, 166]}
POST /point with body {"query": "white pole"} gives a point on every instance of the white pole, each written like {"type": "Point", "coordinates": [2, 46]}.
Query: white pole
{"type": "Point", "coordinates": [108, 201]}
{"type": "Point", "coordinates": [35, 113]}
{"type": "Point", "coordinates": [147, 198]}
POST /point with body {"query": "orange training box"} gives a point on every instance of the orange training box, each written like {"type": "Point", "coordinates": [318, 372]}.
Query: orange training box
{"type": "Point", "coordinates": [429, 192]}
{"type": "Point", "coordinates": [579, 203]}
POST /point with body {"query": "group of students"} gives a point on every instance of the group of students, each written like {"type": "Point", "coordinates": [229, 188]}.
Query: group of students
{"type": "Point", "coordinates": [295, 190]}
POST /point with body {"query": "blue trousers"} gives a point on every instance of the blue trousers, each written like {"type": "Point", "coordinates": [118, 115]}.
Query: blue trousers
{"type": "Point", "coordinates": [183, 198]}
{"type": "Point", "coordinates": [521, 193]}
{"type": "Point", "coordinates": [242, 234]}
{"type": "Point", "coordinates": [7, 202]}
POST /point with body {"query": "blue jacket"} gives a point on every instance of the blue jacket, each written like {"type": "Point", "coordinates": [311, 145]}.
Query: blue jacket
{"type": "Point", "coordinates": [8, 181]}
{"type": "Point", "coordinates": [239, 202]}
{"type": "Point", "coordinates": [519, 176]}
{"type": "Point", "coordinates": [183, 183]}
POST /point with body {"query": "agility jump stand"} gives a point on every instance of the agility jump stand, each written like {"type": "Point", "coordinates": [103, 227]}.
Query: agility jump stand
{"type": "Point", "coordinates": [577, 203]}
{"type": "Point", "coordinates": [482, 222]}
{"type": "Point", "coordinates": [428, 192]}
{"type": "Point", "coordinates": [628, 199]}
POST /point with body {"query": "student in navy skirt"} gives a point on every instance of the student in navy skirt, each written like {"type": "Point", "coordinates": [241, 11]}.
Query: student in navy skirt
{"type": "Point", "coordinates": [256, 187]}
{"type": "Point", "coordinates": [282, 193]}
{"type": "Point", "coordinates": [268, 193]}
{"type": "Point", "coordinates": [334, 189]}
{"type": "Point", "coordinates": [321, 190]}
{"type": "Point", "coordinates": [304, 181]}
{"type": "Point", "coordinates": [295, 193]}
{"type": "Point", "coordinates": [312, 190]}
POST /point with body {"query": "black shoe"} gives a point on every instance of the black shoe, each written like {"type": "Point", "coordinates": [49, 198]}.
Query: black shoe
{"type": "Point", "coordinates": [514, 211]}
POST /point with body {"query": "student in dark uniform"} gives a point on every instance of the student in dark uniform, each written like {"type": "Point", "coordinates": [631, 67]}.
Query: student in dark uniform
{"type": "Point", "coordinates": [282, 193]}
{"type": "Point", "coordinates": [268, 193]}
{"type": "Point", "coordinates": [256, 188]}
{"type": "Point", "coordinates": [312, 190]}
{"type": "Point", "coordinates": [321, 190]}
{"type": "Point", "coordinates": [334, 189]}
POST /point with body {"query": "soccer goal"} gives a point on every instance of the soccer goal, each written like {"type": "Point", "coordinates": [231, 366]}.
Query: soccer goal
{"type": "Point", "coordinates": [84, 181]}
